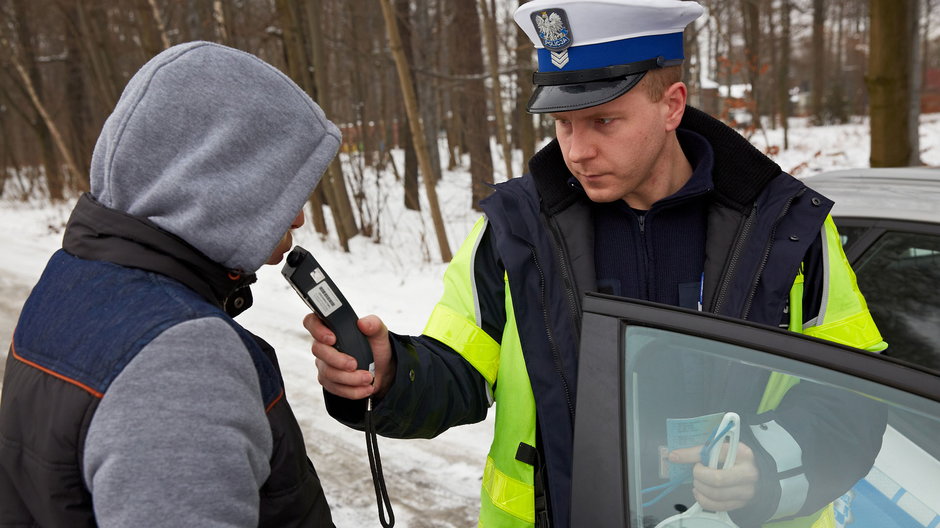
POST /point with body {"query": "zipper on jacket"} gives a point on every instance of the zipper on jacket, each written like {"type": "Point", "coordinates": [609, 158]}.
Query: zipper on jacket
{"type": "Point", "coordinates": [766, 254]}
{"type": "Point", "coordinates": [733, 262]}
{"type": "Point", "coordinates": [574, 305]}
{"type": "Point", "coordinates": [556, 356]}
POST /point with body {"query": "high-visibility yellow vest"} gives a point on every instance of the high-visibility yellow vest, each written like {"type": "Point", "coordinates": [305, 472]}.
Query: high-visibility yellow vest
{"type": "Point", "coordinates": [507, 497]}
{"type": "Point", "coordinates": [843, 318]}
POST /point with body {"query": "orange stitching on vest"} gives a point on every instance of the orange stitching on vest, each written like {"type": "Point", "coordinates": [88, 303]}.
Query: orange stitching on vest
{"type": "Point", "coordinates": [80, 385]}
{"type": "Point", "coordinates": [279, 396]}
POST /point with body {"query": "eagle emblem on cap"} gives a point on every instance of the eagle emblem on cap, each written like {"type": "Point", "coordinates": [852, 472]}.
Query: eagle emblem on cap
{"type": "Point", "coordinates": [552, 26]}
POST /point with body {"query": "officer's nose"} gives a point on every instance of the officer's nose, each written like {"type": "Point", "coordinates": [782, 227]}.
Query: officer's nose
{"type": "Point", "coordinates": [581, 147]}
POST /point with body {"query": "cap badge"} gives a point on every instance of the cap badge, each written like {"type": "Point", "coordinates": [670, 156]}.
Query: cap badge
{"type": "Point", "coordinates": [552, 26]}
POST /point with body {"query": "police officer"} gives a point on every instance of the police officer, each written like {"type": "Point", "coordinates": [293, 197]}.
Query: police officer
{"type": "Point", "coordinates": [640, 196]}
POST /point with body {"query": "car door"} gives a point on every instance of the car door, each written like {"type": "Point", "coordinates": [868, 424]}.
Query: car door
{"type": "Point", "coordinates": [827, 424]}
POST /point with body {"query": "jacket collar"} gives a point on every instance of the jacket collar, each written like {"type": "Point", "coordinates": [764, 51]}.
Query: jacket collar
{"type": "Point", "coordinates": [741, 171]}
{"type": "Point", "coordinates": [95, 232]}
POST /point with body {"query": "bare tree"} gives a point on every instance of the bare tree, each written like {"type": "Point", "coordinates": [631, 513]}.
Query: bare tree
{"type": "Point", "coordinates": [889, 66]}
{"type": "Point", "coordinates": [411, 105]}
{"type": "Point", "coordinates": [492, 53]}
{"type": "Point", "coordinates": [523, 128]}
{"type": "Point", "coordinates": [410, 182]}
{"type": "Point", "coordinates": [21, 47]}
{"type": "Point", "coordinates": [783, 71]}
{"type": "Point", "coordinates": [752, 36]}
{"type": "Point", "coordinates": [913, 123]}
{"type": "Point", "coordinates": [471, 98]}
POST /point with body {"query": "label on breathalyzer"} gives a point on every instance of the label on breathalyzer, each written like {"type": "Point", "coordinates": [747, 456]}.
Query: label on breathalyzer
{"type": "Point", "coordinates": [324, 299]}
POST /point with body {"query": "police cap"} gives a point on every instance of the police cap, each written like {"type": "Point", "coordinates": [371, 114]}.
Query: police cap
{"type": "Point", "coordinates": [593, 51]}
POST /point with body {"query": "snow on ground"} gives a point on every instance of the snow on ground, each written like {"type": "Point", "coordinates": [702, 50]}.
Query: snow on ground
{"type": "Point", "coordinates": [431, 482]}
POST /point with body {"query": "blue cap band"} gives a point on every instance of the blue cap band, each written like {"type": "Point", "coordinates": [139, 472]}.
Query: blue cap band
{"type": "Point", "coordinates": [625, 51]}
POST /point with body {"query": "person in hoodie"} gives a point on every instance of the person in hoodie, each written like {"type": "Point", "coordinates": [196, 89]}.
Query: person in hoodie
{"type": "Point", "coordinates": [131, 396]}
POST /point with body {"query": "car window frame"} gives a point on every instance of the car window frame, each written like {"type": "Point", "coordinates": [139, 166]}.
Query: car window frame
{"type": "Point", "coordinates": [876, 228]}
{"type": "Point", "coordinates": [594, 499]}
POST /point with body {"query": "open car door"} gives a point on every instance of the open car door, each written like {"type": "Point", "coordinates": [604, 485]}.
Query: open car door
{"type": "Point", "coordinates": [849, 436]}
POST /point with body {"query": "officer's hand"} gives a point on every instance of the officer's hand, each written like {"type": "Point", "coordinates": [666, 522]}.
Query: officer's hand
{"type": "Point", "coordinates": [337, 371]}
{"type": "Point", "coordinates": [723, 489]}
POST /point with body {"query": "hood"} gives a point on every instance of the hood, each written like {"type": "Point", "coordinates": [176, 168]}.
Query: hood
{"type": "Point", "coordinates": [216, 147]}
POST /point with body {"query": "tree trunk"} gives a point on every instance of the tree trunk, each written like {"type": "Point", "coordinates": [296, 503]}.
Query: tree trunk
{"type": "Point", "coordinates": [158, 19]}
{"type": "Point", "coordinates": [410, 183]}
{"type": "Point", "coordinates": [837, 104]}
{"type": "Point", "coordinates": [889, 64]}
{"type": "Point", "coordinates": [492, 53]}
{"type": "Point", "coordinates": [27, 67]}
{"type": "Point", "coordinates": [54, 194]}
{"type": "Point", "coordinates": [471, 96]}
{"type": "Point", "coordinates": [105, 79]}
{"type": "Point", "coordinates": [915, 84]}
{"type": "Point", "coordinates": [82, 143]}
{"type": "Point", "coordinates": [523, 127]}
{"type": "Point", "coordinates": [411, 106]}
{"type": "Point", "coordinates": [819, 60]}
{"type": "Point", "coordinates": [750, 9]}
{"type": "Point", "coordinates": [317, 83]}
{"type": "Point", "coordinates": [220, 22]}
{"type": "Point", "coordinates": [783, 72]}
{"type": "Point", "coordinates": [427, 92]}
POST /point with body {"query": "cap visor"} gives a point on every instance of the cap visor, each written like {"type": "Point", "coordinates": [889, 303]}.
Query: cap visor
{"type": "Point", "coordinates": [566, 97]}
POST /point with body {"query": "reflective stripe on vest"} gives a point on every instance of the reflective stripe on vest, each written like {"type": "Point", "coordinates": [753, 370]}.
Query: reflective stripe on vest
{"type": "Point", "coordinates": [508, 494]}
{"type": "Point", "coordinates": [843, 315]}
{"type": "Point", "coordinates": [456, 319]}
{"type": "Point", "coordinates": [507, 497]}
{"type": "Point", "coordinates": [475, 345]}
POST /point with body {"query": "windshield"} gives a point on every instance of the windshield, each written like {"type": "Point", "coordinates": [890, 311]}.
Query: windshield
{"type": "Point", "coordinates": [823, 443]}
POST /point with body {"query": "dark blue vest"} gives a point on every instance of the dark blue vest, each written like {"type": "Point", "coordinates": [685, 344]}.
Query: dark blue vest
{"type": "Point", "coordinates": [83, 323]}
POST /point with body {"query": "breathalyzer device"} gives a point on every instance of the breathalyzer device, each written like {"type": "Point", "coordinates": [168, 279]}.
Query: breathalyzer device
{"type": "Point", "coordinates": [318, 290]}
{"type": "Point", "coordinates": [315, 287]}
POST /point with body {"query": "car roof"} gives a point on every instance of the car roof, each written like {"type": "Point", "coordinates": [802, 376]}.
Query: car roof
{"type": "Point", "coordinates": [902, 193]}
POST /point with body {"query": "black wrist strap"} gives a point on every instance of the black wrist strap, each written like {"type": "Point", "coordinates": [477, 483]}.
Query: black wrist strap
{"type": "Point", "coordinates": [375, 464]}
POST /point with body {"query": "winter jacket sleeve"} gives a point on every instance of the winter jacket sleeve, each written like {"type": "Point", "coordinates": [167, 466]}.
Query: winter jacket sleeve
{"type": "Point", "coordinates": [818, 442]}
{"type": "Point", "coordinates": [813, 448]}
{"type": "Point", "coordinates": [437, 387]}
{"type": "Point", "coordinates": [181, 438]}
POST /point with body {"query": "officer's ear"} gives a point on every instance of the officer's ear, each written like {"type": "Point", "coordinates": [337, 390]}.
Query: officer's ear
{"type": "Point", "coordinates": [673, 101]}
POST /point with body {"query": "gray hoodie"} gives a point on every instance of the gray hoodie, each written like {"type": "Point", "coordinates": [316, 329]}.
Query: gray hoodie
{"type": "Point", "coordinates": [222, 150]}
{"type": "Point", "coordinates": [215, 146]}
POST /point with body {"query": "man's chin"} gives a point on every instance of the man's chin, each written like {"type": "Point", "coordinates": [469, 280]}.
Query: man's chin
{"type": "Point", "coordinates": [601, 195]}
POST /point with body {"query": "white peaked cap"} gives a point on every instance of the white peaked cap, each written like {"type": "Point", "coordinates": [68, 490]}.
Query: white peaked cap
{"type": "Point", "coordinates": [593, 51]}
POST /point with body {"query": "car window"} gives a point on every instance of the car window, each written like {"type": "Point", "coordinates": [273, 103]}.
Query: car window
{"type": "Point", "coordinates": [850, 233]}
{"type": "Point", "coordinates": [834, 432]}
{"type": "Point", "coordinates": [899, 276]}
{"type": "Point", "coordinates": [679, 388]}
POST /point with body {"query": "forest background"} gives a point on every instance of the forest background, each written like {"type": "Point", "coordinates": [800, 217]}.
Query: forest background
{"type": "Point", "coordinates": [836, 84]}
{"type": "Point", "coordinates": [460, 69]}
